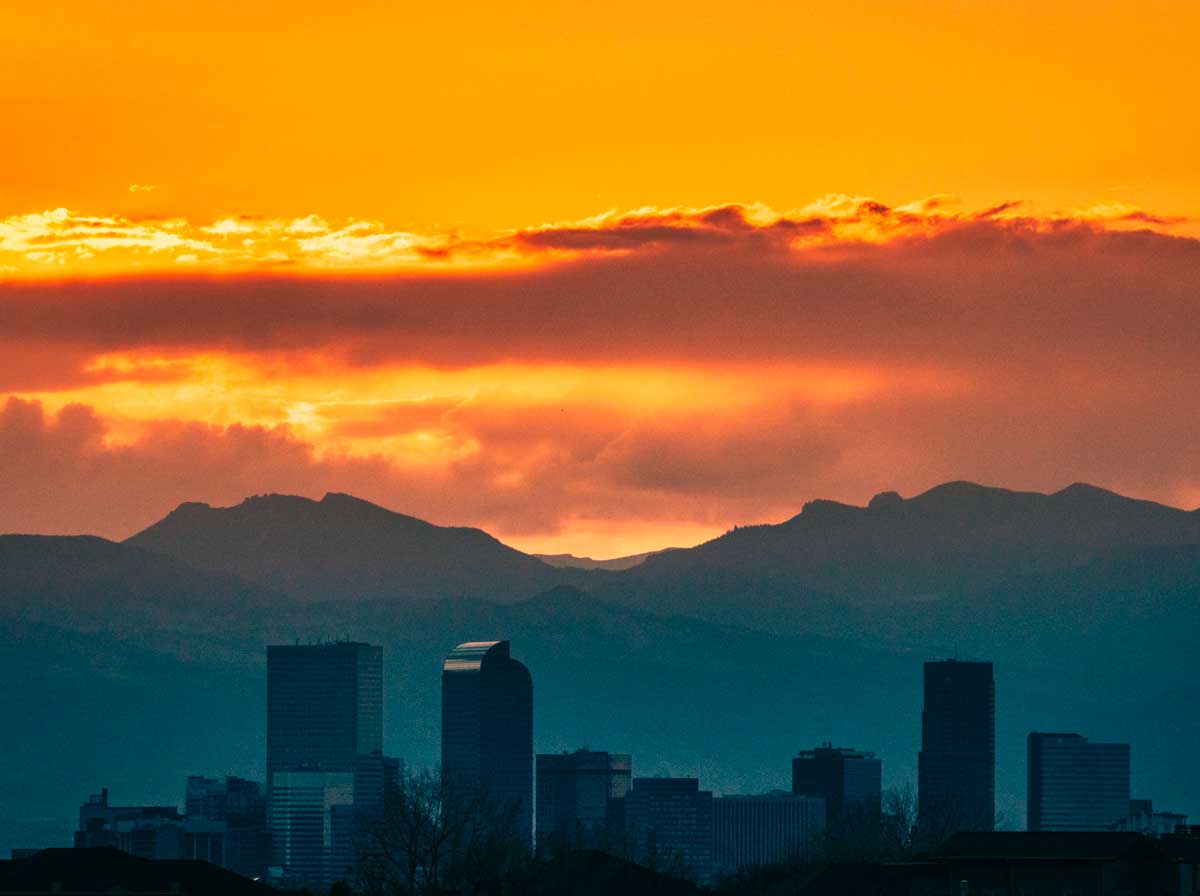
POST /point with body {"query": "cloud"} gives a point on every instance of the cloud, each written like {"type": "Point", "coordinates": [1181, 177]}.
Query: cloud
{"type": "Point", "coordinates": [60, 237]}
{"type": "Point", "coordinates": [65, 243]}
{"type": "Point", "coordinates": [142, 188]}
{"type": "Point", "coordinates": [980, 293]}
{"type": "Point", "coordinates": [660, 368]}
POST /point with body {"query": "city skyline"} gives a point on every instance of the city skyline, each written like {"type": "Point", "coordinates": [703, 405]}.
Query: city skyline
{"type": "Point", "coordinates": [671, 820]}
{"type": "Point", "coordinates": [600, 450]}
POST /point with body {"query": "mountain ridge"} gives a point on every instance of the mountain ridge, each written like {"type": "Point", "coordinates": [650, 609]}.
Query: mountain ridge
{"type": "Point", "coordinates": [344, 547]}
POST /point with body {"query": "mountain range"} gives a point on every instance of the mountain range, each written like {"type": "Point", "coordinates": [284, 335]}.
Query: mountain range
{"type": "Point", "coordinates": [613, 564]}
{"type": "Point", "coordinates": [142, 662]}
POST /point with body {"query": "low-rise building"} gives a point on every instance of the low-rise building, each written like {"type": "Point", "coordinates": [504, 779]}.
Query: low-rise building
{"type": "Point", "coordinates": [764, 829]}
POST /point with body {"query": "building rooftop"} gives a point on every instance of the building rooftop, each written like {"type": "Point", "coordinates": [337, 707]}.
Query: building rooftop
{"type": "Point", "coordinates": [1079, 846]}
{"type": "Point", "coordinates": [469, 656]}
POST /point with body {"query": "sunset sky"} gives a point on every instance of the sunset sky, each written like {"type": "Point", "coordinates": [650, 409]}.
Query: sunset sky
{"type": "Point", "coordinates": [598, 279]}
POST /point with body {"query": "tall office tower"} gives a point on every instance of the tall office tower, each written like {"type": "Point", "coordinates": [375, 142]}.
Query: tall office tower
{"type": "Point", "coordinates": [956, 770]}
{"type": "Point", "coordinates": [670, 824]}
{"type": "Point", "coordinates": [1076, 785]}
{"type": "Point", "coordinates": [750, 831]}
{"type": "Point", "coordinates": [849, 781]}
{"type": "Point", "coordinates": [324, 716]}
{"type": "Point", "coordinates": [576, 793]}
{"type": "Point", "coordinates": [487, 728]}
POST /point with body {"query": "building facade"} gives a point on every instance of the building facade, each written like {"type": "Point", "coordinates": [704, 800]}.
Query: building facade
{"type": "Point", "coordinates": [487, 728]}
{"type": "Point", "coordinates": [226, 824]}
{"type": "Point", "coordinates": [846, 780]}
{"type": "Point", "coordinates": [752, 831]}
{"type": "Point", "coordinates": [1041, 863]}
{"type": "Point", "coordinates": [956, 770]}
{"type": "Point", "coordinates": [149, 832]}
{"type": "Point", "coordinates": [1145, 819]}
{"type": "Point", "coordinates": [669, 823]}
{"type": "Point", "coordinates": [324, 721]}
{"type": "Point", "coordinates": [1074, 784]}
{"type": "Point", "coordinates": [578, 795]}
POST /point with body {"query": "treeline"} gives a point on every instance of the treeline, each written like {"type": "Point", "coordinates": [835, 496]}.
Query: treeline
{"type": "Point", "coordinates": [435, 837]}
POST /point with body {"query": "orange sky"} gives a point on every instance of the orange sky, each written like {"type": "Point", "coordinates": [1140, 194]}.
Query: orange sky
{"type": "Point", "coordinates": [488, 312]}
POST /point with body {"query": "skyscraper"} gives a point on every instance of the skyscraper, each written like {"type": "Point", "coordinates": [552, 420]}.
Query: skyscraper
{"type": "Point", "coordinates": [764, 829]}
{"type": "Point", "coordinates": [847, 780]}
{"type": "Point", "coordinates": [956, 787]}
{"type": "Point", "coordinates": [670, 822]}
{"type": "Point", "coordinates": [576, 794]}
{"type": "Point", "coordinates": [324, 718]}
{"type": "Point", "coordinates": [1076, 785]}
{"type": "Point", "coordinates": [487, 727]}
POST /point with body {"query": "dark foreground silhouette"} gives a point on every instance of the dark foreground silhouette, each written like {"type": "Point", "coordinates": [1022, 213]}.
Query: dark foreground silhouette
{"type": "Point", "coordinates": [1087, 864]}
{"type": "Point", "coordinates": [103, 869]}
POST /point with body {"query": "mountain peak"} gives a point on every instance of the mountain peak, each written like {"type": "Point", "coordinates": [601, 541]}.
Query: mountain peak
{"type": "Point", "coordinates": [344, 547]}
{"type": "Point", "coordinates": [270, 499]}
{"type": "Point", "coordinates": [1087, 492]}
{"type": "Point", "coordinates": [822, 508]}
{"type": "Point", "coordinates": [960, 489]}
{"type": "Point", "coordinates": [189, 508]}
{"type": "Point", "coordinates": [885, 500]}
{"type": "Point", "coordinates": [343, 499]}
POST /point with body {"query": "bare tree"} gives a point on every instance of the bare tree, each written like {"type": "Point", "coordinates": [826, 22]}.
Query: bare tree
{"type": "Point", "coordinates": [941, 815]}
{"type": "Point", "coordinates": [435, 836]}
{"type": "Point", "coordinates": [850, 835]}
{"type": "Point", "coordinates": [898, 823]}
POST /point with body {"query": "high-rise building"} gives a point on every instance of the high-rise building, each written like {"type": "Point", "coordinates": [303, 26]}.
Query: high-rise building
{"type": "Point", "coordinates": [849, 781]}
{"type": "Point", "coordinates": [765, 829]}
{"type": "Point", "coordinates": [324, 720]}
{"type": "Point", "coordinates": [669, 821]}
{"type": "Point", "coordinates": [956, 772]}
{"type": "Point", "coordinates": [487, 728]}
{"type": "Point", "coordinates": [1076, 785]}
{"type": "Point", "coordinates": [151, 832]}
{"type": "Point", "coordinates": [576, 797]}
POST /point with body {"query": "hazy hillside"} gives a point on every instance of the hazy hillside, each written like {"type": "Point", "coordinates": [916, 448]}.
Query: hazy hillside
{"type": "Point", "coordinates": [343, 548]}
{"type": "Point", "coordinates": [85, 582]}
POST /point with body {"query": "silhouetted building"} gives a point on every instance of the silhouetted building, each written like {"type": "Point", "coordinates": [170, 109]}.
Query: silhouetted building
{"type": "Point", "coordinates": [1183, 847]}
{"type": "Point", "coordinates": [487, 728]}
{"type": "Point", "coordinates": [1041, 863]}
{"type": "Point", "coordinates": [205, 798]}
{"type": "Point", "coordinates": [1074, 784]}
{"type": "Point", "coordinates": [847, 780]}
{"type": "Point", "coordinates": [324, 720]}
{"type": "Point", "coordinates": [956, 787]}
{"type": "Point", "coordinates": [670, 824]}
{"type": "Point", "coordinates": [577, 798]}
{"type": "Point", "coordinates": [764, 829]}
{"type": "Point", "coordinates": [373, 776]}
{"type": "Point", "coordinates": [1145, 819]}
{"type": "Point", "coordinates": [226, 824]}
{"type": "Point", "coordinates": [151, 832]}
